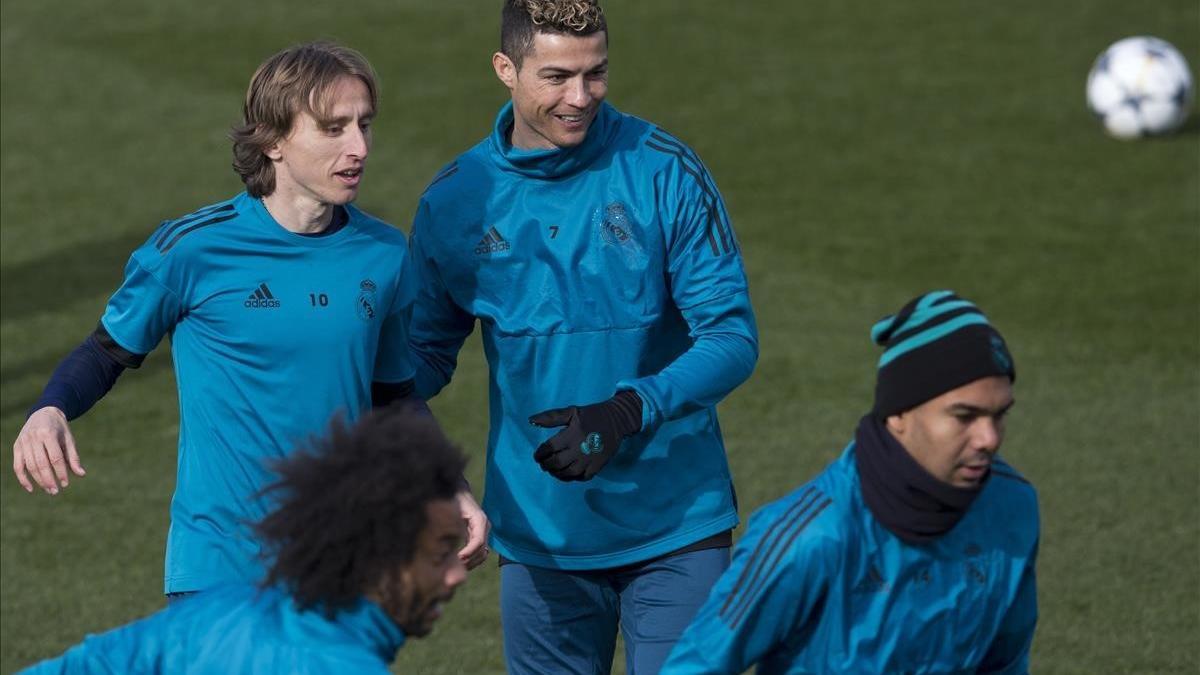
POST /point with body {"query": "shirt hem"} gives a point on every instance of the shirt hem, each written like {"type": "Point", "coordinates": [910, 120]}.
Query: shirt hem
{"type": "Point", "coordinates": [637, 554]}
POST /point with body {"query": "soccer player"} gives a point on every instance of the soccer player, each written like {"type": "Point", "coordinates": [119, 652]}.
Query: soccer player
{"type": "Point", "coordinates": [914, 551]}
{"type": "Point", "coordinates": [285, 305]}
{"type": "Point", "coordinates": [595, 251]}
{"type": "Point", "coordinates": [362, 545]}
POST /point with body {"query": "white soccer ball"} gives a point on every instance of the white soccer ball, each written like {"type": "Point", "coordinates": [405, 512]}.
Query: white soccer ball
{"type": "Point", "coordinates": [1140, 86]}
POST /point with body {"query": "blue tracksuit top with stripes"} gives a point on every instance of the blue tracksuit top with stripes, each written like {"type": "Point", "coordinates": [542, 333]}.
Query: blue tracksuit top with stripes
{"type": "Point", "coordinates": [603, 267]}
{"type": "Point", "coordinates": [238, 629]}
{"type": "Point", "coordinates": [817, 585]}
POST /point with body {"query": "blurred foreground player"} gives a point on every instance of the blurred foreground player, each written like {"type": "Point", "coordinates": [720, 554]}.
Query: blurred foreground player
{"type": "Point", "coordinates": [362, 550]}
{"type": "Point", "coordinates": [914, 552]}
{"type": "Point", "coordinates": [285, 305]}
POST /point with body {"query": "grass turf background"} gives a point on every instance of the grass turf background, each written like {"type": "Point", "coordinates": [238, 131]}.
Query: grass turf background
{"type": "Point", "coordinates": [867, 151]}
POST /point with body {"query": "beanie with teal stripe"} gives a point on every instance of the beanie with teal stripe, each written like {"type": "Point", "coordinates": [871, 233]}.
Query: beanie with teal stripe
{"type": "Point", "coordinates": [936, 343]}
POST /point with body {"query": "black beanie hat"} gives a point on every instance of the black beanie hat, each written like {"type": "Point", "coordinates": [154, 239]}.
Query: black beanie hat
{"type": "Point", "coordinates": [936, 343]}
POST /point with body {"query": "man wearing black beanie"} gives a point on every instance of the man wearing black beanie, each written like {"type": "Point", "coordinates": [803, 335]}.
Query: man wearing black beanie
{"type": "Point", "coordinates": [915, 550]}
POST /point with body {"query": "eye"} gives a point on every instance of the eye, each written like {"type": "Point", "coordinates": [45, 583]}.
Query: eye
{"type": "Point", "coordinates": [333, 129]}
{"type": "Point", "coordinates": [557, 79]}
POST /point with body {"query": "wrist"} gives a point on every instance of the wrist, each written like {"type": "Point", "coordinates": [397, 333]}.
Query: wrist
{"type": "Point", "coordinates": [626, 407]}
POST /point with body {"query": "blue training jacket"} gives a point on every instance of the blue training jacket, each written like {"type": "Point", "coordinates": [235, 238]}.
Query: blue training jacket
{"type": "Point", "coordinates": [607, 266]}
{"type": "Point", "coordinates": [238, 629]}
{"type": "Point", "coordinates": [817, 585]}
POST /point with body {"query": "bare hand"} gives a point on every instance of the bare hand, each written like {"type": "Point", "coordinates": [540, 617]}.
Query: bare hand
{"type": "Point", "coordinates": [476, 550]}
{"type": "Point", "coordinates": [43, 451]}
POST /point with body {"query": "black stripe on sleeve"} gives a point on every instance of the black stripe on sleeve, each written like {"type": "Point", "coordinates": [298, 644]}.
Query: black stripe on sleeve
{"type": "Point", "coordinates": [795, 532]}
{"type": "Point", "coordinates": [708, 183]}
{"type": "Point", "coordinates": [763, 562]}
{"type": "Point", "coordinates": [202, 213]}
{"type": "Point", "coordinates": [714, 216]}
{"type": "Point", "coordinates": [712, 241]}
{"type": "Point", "coordinates": [701, 176]}
{"type": "Point", "coordinates": [193, 228]}
{"type": "Point", "coordinates": [443, 175]}
{"type": "Point", "coordinates": [122, 356]}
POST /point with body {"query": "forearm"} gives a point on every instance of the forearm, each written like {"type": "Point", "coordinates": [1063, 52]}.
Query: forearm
{"type": "Point", "coordinates": [721, 358]}
{"type": "Point", "coordinates": [86, 375]}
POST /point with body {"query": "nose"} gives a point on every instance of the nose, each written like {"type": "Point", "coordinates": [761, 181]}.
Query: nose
{"type": "Point", "coordinates": [578, 96]}
{"type": "Point", "coordinates": [358, 142]}
{"type": "Point", "coordinates": [456, 575]}
{"type": "Point", "coordinates": [988, 434]}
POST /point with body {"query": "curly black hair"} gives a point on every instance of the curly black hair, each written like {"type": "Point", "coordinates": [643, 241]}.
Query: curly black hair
{"type": "Point", "coordinates": [351, 505]}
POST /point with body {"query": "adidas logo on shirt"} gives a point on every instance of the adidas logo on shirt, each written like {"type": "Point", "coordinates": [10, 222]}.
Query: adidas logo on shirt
{"type": "Point", "coordinates": [492, 242]}
{"type": "Point", "coordinates": [261, 297]}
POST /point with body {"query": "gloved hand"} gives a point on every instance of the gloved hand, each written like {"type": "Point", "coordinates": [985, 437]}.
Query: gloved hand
{"type": "Point", "coordinates": [592, 436]}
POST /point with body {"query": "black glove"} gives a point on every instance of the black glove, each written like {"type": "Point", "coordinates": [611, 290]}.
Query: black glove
{"type": "Point", "coordinates": [592, 436]}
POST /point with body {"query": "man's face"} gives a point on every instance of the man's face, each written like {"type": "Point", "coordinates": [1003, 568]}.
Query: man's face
{"type": "Point", "coordinates": [323, 160]}
{"type": "Point", "coordinates": [426, 583]}
{"type": "Point", "coordinates": [955, 435]}
{"type": "Point", "coordinates": [558, 89]}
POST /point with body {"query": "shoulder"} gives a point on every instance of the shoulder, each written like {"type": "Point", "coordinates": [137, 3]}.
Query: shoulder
{"type": "Point", "coordinates": [184, 236]}
{"type": "Point", "coordinates": [1009, 482]}
{"type": "Point", "coordinates": [380, 231]}
{"type": "Point", "coordinates": [663, 151]}
{"type": "Point", "coordinates": [1011, 494]}
{"type": "Point", "coordinates": [810, 522]}
{"type": "Point", "coordinates": [464, 175]}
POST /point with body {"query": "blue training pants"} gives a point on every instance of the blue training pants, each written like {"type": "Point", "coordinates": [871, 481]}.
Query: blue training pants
{"type": "Point", "coordinates": [559, 621]}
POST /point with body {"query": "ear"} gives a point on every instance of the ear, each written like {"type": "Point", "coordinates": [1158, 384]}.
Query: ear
{"type": "Point", "coordinates": [274, 153]}
{"type": "Point", "coordinates": [897, 424]}
{"type": "Point", "coordinates": [506, 70]}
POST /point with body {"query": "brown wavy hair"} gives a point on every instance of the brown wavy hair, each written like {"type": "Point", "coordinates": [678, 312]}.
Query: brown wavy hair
{"type": "Point", "coordinates": [520, 20]}
{"type": "Point", "coordinates": [297, 79]}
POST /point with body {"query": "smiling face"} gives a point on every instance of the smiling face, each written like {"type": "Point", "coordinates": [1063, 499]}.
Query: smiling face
{"type": "Point", "coordinates": [321, 161]}
{"type": "Point", "coordinates": [557, 90]}
{"type": "Point", "coordinates": [415, 596]}
{"type": "Point", "coordinates": [955, 435]}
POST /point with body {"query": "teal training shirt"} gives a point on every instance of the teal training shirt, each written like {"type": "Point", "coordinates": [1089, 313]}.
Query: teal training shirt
{"type": "Point", "coordinates": [272, 333]}
{"type": "Point", "coordinates": [608, 266]}
{"type": "Point", "coordinates": [817, 585]}
{"type": "Point", "coordinates": [238, 629]}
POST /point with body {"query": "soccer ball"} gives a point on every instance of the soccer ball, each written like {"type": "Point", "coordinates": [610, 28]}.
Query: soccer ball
{"type": "Point", "coordinates": [1140, 86]}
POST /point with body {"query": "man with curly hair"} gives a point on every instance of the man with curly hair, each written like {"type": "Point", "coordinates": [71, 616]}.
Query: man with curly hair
{"type": "Point", "coordinates": [362, 553]}
{"type": "Point", "coordinates": [595, 252]}
{"type": "Point", "coordinates": [285, 305]}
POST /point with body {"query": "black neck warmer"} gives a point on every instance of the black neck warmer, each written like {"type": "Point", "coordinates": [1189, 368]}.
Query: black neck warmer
{"type": "Point", "coordinates": [900, 493]}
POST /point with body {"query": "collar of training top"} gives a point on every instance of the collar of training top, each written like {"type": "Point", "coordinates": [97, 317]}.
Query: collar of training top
{"type": "Point", "coordinates": [553, 163]}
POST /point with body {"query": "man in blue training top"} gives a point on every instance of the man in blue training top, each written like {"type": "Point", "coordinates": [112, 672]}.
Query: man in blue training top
{"type": "Point", "coordinates": [362, 552]}
{"type": "Point", "coordinates": [285, 305]}
{"type": "Point", "coordinates": [595, 252]}
{"type": "Point", "coordinates": [915, 551]}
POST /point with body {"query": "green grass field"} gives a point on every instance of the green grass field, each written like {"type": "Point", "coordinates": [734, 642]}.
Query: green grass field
{"type": "Point", "coordinates": [867, 151]}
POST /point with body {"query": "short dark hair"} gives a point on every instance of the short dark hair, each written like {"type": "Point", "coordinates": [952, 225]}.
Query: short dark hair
{"type": "Point", "coordinates": [351, 505]}
{"type": "Point", "coordinates": [297, 79]}
{"type": "Point", "coordinates": [520, 20]}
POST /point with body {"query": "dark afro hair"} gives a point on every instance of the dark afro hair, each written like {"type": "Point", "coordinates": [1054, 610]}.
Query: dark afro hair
{"type": "Point", "coordinates": [351, 505]}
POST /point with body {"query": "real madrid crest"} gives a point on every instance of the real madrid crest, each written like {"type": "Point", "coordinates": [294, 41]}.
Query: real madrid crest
{"type": "Point", "coordinates": [365, 305]}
